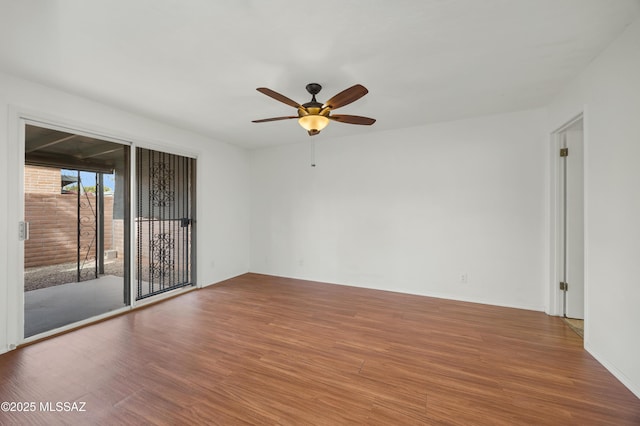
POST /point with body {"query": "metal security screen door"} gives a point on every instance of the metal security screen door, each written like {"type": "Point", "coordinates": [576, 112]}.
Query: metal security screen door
{"type": "Point", "coordinates": [164, 222]}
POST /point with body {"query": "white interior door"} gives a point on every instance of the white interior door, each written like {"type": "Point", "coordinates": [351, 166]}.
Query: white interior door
{"type": "Point", "coordinates": [574, 221]}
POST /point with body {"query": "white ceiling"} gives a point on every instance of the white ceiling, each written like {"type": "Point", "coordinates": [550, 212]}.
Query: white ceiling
{"type": "Point", "coordinates": [195, 64]}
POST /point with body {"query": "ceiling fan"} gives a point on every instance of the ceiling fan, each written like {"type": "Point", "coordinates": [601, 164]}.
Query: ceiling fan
{"type": "Point", "coordinates": [314, 116]}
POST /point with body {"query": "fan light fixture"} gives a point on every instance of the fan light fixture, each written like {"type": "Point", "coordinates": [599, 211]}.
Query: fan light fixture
{"type": "Point", "coordinates": [313, 123]}
{"type": "Point", "coordinates": [314, 116]}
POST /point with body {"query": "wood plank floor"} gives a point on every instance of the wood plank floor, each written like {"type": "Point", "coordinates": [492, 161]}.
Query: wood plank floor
{"type": "Point", "coordinates": [266, 350]}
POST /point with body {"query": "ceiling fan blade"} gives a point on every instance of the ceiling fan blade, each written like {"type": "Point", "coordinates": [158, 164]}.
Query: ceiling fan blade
{"type": "Point", "coordinates": [264, 120]}
{"type": "Point", "coordinates": [347, 96]}
{"type": "Point", "coordinates": [278, 97]}
{"type": "Point", "coordinates": [353, 119]}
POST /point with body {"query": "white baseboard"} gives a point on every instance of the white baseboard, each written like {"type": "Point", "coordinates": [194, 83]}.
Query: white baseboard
{"type": "Point", "coordinates": [539, 308]}
{"type": "Point", "coordinates": [633, 387]}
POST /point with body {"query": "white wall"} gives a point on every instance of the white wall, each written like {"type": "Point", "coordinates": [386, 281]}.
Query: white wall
{"type": "Point", "coordinates": [223, 203]}
{"type": "Point", "coordinates": [410, 210]}
{"type": "Point", "coordinates": [609, 92]}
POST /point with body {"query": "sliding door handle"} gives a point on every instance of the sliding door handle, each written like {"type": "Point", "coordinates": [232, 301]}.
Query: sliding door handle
{"type": "Point", "coordinates": [23, 231]}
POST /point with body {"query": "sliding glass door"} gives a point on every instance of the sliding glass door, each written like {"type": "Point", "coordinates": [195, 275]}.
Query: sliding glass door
{"type": "Point", "coordinates": [82, 258]}
{"type": "Point", "coordinates": [76, 251]}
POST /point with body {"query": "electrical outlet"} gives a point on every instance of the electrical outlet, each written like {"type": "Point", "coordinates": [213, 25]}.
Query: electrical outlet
{"type": "Point", "coordinates": [464, 278]}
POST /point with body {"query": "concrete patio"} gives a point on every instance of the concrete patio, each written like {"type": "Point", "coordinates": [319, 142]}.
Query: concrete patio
{"type": "Point", "coordinates": [53, 307]}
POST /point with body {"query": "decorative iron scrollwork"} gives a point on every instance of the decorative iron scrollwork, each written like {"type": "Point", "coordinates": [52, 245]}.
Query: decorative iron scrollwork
{"type": "Point", "coordinates": [162, 264]}
{"type": "Point", "coordinates": [163, 222]}
{"type": "Point", "coordinates": [161, 184]}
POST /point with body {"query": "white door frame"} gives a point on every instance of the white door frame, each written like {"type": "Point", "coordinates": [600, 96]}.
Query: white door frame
{"type": "Point", "coordinates": [555, 296]}
{"type": "Point", "coordinates": [24, 119]}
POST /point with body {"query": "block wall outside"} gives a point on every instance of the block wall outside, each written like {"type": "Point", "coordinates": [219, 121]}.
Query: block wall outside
{"type": "Point", "coordinates": [42, 180]}
{"type": "Point", "coordinates": [53, 227]}
{"type": "Point", "coordinates": [118, 236]}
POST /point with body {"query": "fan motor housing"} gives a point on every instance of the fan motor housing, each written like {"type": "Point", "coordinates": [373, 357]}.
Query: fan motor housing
{"type": "Point", "coordinates": [313, 108]}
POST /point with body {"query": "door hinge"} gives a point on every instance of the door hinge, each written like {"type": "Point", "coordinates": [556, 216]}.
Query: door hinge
{"type": "Point", "coordinates": [564, 152]}
{"type": "Point", "coordinates": [564, 286]}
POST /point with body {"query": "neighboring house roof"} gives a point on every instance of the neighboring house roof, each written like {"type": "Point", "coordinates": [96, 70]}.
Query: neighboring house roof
{"type": "Point", "coordinates": [67, 179]}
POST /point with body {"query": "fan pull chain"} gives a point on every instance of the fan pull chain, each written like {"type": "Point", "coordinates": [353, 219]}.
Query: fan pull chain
{"type": "Point", "coordinates": [313, 153]}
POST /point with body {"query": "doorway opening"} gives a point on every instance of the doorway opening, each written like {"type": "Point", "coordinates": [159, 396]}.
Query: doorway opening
{"type": "Point", "coordinates": [569, 213]}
